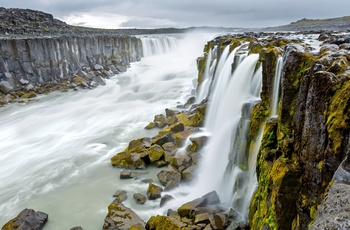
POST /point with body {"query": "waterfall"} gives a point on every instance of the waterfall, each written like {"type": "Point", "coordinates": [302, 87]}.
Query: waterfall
{"type": "Point", "coordinates": [155, 45]}
{"type": "Point", "coordinates": [276, 87]}
{"type": "Point", "coordinates": [226, 166]}
{"type": "Point", "coordinates": [208, 72]}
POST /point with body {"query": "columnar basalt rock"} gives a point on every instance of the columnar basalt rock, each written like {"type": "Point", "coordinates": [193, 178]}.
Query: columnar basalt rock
{"type": "Point", "coordinates": [40, 64]}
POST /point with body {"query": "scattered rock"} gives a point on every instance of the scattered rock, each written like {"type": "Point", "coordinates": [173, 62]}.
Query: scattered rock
{"type": "Point", "coordinates": [165, 199]}
{"type": "Point", "coordinates": [121, 217]}
{"type": "Point", "coordinates": [120, 195]}
{"type": "Point", "coordinates": [139, 198]}
{"type": "Point", "coordinates": [169, 177]}
{"type": "Point", "coordinates": [154, 191]}
{"type": "Point", "coordinates": [27, 219]}
{"type": "Point", "coordinates": [164, 222]}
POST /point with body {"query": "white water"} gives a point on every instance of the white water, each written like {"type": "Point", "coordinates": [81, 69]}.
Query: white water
{"type": "Point", "coordinates": [221, 168]}
{"type": "Point", "coordinates": [158, 44]}
{"type": "Point", "coordinates": [55, 152]}
{"type": "Point", "coordinates": [276, 87]}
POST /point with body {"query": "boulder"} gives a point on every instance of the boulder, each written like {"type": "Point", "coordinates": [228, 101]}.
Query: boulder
{"type": "Point", "coordinates": [128, 160]}
{"type": "Point", "coordinates": [140, 143]}
{"type": "Point", "coordinates": [77, 228]}
{"type": "Point", "coordinates": [189, 208]}
{"type": "Point", "coordinates": [154, 191]}
{"type": "Point", "coordinates": [164, 222]}
{"type": "Point", "coordinates": [188, 174]}
{"type": "Point", "coordinates": [165, 199]}
{"type": "Point", "coordinates": [160, 120]}
{"type": "Point", "coordinates": [169, 177]}
{"type": "Point", "coordinates": [121, 217]}
{"type": "Point", "coordinates": [120, 195]}
{"type": "Point", "coordinates": [155, 152]}
{"type": "Point", "coordinates": [5, 87]}
{"type": "Point", "coordinates": [139, 198]}
{"type": "Point", "coordinates": [27, 219]}
{"type": "Point", "coordinates": [180, 161]}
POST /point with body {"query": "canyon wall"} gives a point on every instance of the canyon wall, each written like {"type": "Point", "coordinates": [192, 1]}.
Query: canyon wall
{"type": "Point", "coordinates": [36, 63]}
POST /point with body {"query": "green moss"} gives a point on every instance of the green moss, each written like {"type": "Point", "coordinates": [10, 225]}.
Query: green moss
{"type": "Point", "coordinates": [338, 117]}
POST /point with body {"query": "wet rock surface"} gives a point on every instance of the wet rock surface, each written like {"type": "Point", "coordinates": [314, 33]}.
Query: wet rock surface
{"type": "Point", "coordinates": [27, 219]}
{"type": "Point", "coordinates": [121, 217]}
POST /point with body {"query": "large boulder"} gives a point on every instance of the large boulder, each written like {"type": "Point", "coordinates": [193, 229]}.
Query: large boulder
{"type": "Point", "coordinates": [164, 222]}
{"type": "Point", "coordinates": [154, 191]}
{"type": "Point", "coordinates": [129, 160]}
{"type": "Point", "coordinates": [155, 152]}
{"type": "Point", "coordinates": [121, 217]}
{"type": "Point", "coordinates": [169, 177]}
{"type": "Point", "coordinates": [27, 219]}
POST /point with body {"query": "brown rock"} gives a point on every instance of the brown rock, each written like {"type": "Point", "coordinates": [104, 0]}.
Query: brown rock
{"type": "Point", "coordinates": [121, 217]}
{"type": "Point", "coordinates": [154, 191]}
{"type": "Point", "coordinates": [27, 219]}
{"type": "Point", "coordinates": [169, 177]}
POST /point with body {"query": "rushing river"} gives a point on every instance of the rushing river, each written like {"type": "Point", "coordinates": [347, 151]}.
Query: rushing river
{"type": "Point", "coordinates": [55, 150]}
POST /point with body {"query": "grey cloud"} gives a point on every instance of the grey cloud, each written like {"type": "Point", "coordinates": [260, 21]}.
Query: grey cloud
{"type": "Point", "coordinates": [184, 13]}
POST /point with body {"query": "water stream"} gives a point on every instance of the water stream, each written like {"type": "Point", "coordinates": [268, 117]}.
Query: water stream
{"type": "Point", "coordinates": [56, 150]}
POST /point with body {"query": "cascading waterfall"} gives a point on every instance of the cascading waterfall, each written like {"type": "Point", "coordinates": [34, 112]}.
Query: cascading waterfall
{"type": "Point", "coordinates": [226, 166]}
{"type": "Point", "coordinates": [155, 45]}
{"type": "Point", "coordinates": [276, 87]}
{"type": "Point", "coordinates": [208, 72]}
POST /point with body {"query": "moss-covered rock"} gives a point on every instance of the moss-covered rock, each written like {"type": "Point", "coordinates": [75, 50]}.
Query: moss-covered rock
{"type": "Point", "coordinates": [155, 152]}
{"type": "Point", "coordinates": [164, 222]}
{"type": "Point", "coordinates": [121, 217]}
{"type": "Point", "coordinates": [154, 191]}
{"type": "Point", "coordinates": [130, 160]}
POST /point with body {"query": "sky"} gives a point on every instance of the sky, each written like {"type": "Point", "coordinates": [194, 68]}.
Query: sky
{"type": "Point", "coordinates": [184, 13]}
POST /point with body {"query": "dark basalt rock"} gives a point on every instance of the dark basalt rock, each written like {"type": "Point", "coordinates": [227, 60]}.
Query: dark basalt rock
{"type": "Point", "coordinates": [121, 217]}
{"type": "Point", "coordinates": [27, 219]}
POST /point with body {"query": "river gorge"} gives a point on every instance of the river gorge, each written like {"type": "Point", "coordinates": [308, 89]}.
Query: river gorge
{"type": "Point", "coordinates": [259, 118]}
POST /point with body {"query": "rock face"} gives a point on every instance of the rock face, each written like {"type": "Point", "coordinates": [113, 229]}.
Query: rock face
{"type": "Point", "coordinates": [303, 147]}
{"type": "Point", "coordinates": [27, 219]}
{"type": "Point", "coordinates": [121, 217]}
{"type": "Point", "coordinates": [79, 60]}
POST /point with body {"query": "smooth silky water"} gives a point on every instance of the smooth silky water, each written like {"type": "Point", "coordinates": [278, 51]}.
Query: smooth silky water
{"type": "Point", "coordinates": [55, 150]}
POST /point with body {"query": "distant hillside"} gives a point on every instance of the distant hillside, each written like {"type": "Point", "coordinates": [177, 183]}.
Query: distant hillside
{"type": "Point", "coordinates": [25, 22]}
{"type": "Point", "coordinates": [335, 24]}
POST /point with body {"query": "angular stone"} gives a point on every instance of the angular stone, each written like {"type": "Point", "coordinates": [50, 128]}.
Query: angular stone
{"type": "Point", "coordinates": [164, 222]}
{"type": "Point", "coordinates": [202, 218]}
{"type": "Point", "coordinates": [180, 160]}
{"type": "Point", "coordinates": [155, 152]}
{"type": "Point", "coordinates": [139, 198]}
{"type": "Point", "coordinates": [27, 219]}
{"type": "Point", "coordinates": [120, 217]}
{"type": "Point", "coordinates": [150, 125]}
{"type": "Point", "coordinates": [120, 196]}
{"type": "Point", "coordinates": [189, 208]}
{"type": "Point", "coordinates": [154, 191]}
{"type": "Point", "coordinates": [188, 174]}
{"type": "Point", "coordinates": [140, 144]}
{"type": "Point", "coordinates": [160, 120]}
{"type": "Point", "coordinates": [216, 221]}
{"type": "Point", "coordinates": [165, 199]}
{"type": "Point", "coordinates": [169, 176]}
{"type": "Point", "coordinates": [128, 160]}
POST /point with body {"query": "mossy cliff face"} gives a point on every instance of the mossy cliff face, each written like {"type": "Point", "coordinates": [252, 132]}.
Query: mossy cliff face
{"type": "Point", "coordinates": [301, 150]}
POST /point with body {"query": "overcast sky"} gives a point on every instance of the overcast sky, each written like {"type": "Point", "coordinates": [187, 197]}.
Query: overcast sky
{"type": "Point", "coordinates": [184, 13]}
